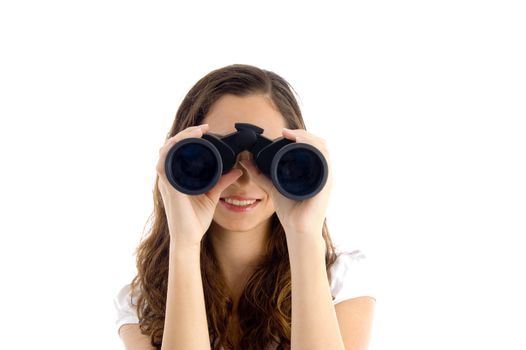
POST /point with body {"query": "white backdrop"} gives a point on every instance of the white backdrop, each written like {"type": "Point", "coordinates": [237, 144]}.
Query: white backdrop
{"type": "Point", "coordinates": [422, 104]}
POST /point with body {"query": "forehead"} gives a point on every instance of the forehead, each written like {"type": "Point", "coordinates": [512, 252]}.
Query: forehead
{"type": "Point", "coordinates": [254, 109]}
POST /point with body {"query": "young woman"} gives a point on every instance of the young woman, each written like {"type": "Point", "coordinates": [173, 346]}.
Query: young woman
{"type": "Point", "coordinates": [216, 273]}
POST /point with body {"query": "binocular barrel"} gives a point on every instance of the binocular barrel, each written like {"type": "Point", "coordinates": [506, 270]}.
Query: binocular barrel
{"type": "Point", "coordinates": [194, 165]}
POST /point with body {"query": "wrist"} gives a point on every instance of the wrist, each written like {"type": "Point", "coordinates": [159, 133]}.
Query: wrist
{"type": "Point", "coordinates": [183, 248]}
{"type": "Point", "coordinates": [313, 243]}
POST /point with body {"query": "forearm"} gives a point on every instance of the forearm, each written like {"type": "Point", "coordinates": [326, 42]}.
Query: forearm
{"type": "Point", "coordinates": [185, 325]}
{"type": "Point", "coordinates": [314, 322]}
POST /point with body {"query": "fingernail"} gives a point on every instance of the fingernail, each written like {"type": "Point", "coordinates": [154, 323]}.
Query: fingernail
{"type": "Point", "coordinates": [196, 131]}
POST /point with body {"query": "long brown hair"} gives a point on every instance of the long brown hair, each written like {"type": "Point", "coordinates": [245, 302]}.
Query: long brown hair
{"type": "Point", "coordinates": [265, 304]}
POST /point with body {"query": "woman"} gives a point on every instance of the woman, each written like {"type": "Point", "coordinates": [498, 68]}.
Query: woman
{"type": "Point", "coordinates": [242, 266]}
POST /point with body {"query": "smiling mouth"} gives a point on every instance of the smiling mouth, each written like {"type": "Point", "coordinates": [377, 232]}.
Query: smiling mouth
{"type": "Point", "coordinates": [241, 203]}
{"type": "Point", "coordinates": [239, 206]}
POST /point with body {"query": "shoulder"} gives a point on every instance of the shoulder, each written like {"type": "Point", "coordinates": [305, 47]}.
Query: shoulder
{"type": "Point", "coordinates": [351, 276]}
{"type": "Point", "coordinates": [125, 307]}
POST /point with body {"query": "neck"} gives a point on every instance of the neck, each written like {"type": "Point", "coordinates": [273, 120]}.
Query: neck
{"type": "Point", "coordinates": [239, 252]}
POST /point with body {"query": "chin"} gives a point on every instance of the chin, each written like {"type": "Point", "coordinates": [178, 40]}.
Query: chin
{"type": "Point", "coordinates": [242, 223]}
{"type": "Point", "coordinates": [238, 225]}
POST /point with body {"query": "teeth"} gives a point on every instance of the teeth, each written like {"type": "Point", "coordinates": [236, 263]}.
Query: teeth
{"type": "Point", "coordinates": [239, 203]}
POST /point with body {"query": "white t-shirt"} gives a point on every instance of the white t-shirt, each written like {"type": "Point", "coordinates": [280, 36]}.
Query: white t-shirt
{"type": "Point", "coordinates": [351, 278]}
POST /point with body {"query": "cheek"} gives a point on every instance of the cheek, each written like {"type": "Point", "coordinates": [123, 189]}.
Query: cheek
{"type": "Point", "coordinates": [269, 206]}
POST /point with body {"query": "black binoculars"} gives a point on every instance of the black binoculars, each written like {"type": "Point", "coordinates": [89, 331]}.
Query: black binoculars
{"type": "Point", "coordinates": [194, 165]}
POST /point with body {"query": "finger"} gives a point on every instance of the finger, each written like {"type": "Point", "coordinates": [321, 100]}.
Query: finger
{"type": "Point", "coordinates": [302, 135]}
{"type": "Point", "coordinates": [289, 134]}
{"type": "Point", "coordinates": [193, 131]}
{"type": "Point", "coordinates": [223, 182]}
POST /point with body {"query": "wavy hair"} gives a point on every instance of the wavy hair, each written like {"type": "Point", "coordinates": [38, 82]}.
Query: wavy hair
{"type": "Point", "coordinates": [264, 309]}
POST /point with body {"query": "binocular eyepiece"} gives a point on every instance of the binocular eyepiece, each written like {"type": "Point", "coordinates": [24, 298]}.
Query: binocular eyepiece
{"type": "Point", "coordinates": [194, 165]}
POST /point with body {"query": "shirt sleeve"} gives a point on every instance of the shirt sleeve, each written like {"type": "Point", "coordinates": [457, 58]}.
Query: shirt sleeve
{"type": "Point", "coordinates": [351, 277]}
{"type": "Point", "coordinates": [125, 310]}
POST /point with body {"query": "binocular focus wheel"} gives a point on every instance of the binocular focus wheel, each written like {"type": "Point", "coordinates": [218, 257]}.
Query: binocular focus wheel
{"type": "Point", "coordinates": [195, 163]}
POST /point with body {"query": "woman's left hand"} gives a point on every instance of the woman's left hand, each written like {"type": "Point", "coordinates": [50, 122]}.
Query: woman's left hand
{"type": "Point", "coordinates": [304, 217]}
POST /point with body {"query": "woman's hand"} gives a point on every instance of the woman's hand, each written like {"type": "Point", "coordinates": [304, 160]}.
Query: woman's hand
{"type": "Point", "coordinates": [305, 217]}
{"type": "Point", "coordinates": [189, 216]}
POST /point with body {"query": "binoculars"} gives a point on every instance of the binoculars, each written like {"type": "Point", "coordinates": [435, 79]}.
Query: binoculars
{"type": "Point", "coordinates": [194, 165]}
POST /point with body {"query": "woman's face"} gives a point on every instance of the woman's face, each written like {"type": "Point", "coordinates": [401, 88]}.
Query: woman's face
{"type": "Point", "coordinates": [224, 113]}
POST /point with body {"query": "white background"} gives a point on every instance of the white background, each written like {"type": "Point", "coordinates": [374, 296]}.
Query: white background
{"type": "Point", "coordinates": [422, 104]}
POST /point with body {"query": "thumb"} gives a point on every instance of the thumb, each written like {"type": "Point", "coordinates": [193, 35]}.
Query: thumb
{"type": "Point", "coordinates": [223, 182]}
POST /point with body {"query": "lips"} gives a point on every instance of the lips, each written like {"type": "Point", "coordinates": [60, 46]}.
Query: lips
{"type": "Point", "coordinates": [234, 203]}
{"type": "Point", "coordinates": [241, 198]}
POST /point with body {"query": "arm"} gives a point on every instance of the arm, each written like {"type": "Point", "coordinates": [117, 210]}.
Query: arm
{"type": "Point", "coordinates": [133, 339]}
{"type": "Point", "coordinates": [185, 324]}
{"type": "Point", "coordinates": [355, 317]}
{"type": "Point", "coordinates": [314, 322]}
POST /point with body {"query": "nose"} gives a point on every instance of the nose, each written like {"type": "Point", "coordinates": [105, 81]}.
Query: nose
{"type": "Point", "coordinates": [244, 156]}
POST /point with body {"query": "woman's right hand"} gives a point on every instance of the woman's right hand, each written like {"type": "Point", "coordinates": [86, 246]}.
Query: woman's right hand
{"type": "Point", "coordinates": [189, 216]}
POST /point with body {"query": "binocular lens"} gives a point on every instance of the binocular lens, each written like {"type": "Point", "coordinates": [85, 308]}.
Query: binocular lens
{"type": "Point", "coordinates": [299, 171]}
{"type": "Point", "coordinates": [195, 166]}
